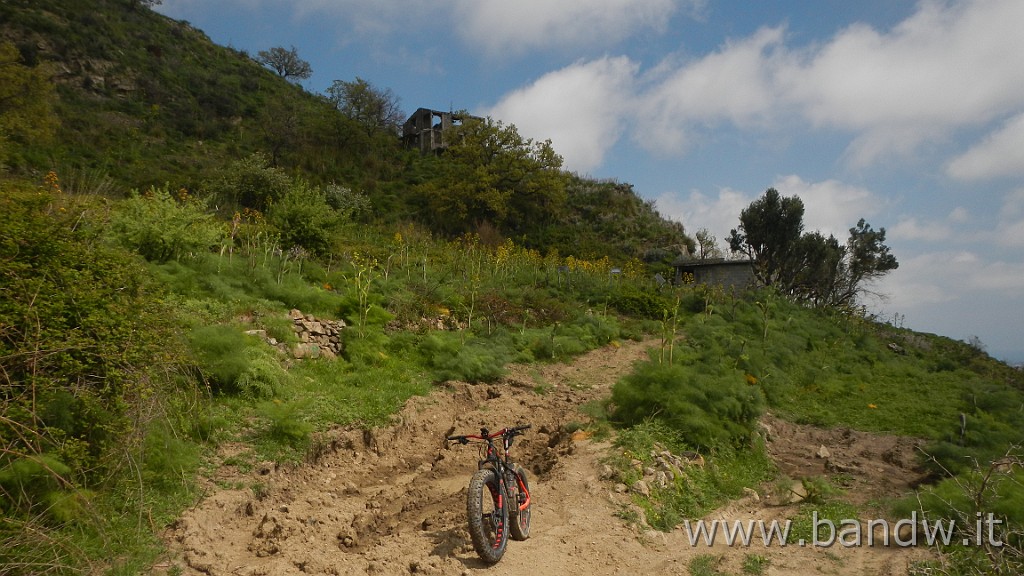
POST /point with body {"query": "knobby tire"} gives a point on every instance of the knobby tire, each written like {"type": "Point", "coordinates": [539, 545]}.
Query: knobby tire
{"type": "Point", "coordinates": [519, 520]}
{"type": "Point", "coordinates": [488, 515]}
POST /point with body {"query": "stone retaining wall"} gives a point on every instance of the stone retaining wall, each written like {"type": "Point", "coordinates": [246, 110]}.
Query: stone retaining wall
{"type": "Point", "coordinates": [317, 338]}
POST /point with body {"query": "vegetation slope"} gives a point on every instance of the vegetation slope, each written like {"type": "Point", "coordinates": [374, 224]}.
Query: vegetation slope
{"type": "Point", "coordinates": [187, 199]}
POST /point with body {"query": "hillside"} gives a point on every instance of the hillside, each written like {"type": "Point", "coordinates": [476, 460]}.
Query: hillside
{"type": "Point", "coordinates": [206, 311]}
{"type": "Point", "coordinates": [144, 100]}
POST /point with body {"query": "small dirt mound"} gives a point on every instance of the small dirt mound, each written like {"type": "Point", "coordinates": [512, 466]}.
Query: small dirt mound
{"type": "Point", "coordinates": [868, 467]}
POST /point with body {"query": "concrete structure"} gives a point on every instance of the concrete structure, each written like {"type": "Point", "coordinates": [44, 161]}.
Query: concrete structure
{"type": "Point", "coordinates": [425, 129]}
{"type": "Point", "coordinates": [727, 273]}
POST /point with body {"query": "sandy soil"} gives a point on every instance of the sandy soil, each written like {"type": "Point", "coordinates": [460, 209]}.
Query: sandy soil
{"type": "Point", "coordinates": [392, 500]}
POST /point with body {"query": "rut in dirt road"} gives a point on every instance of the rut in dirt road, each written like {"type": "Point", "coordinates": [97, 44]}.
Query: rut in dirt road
{"type": "Point", "coordinates": [392, 500]}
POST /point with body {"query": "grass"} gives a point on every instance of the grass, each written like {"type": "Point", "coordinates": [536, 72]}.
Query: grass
{"type": "Point", "coordinates": [705, 565]}
{"type": "Point", "coordinates": [698, 489]}
{"type": "Point", "coordinates": [755, 564]}
{"type": "Point", "coordinates": [824, 523]}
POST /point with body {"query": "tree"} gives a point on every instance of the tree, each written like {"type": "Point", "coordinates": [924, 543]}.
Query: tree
{"type": "Point", "coordinates": [286, 63]}
{"type": "Point", "coordinates": [489, 173]}
{"type": "Point", "coordinates": [281, 126]}
{"type": "Point", "coordinates": [868, 259]}
{"type": "Point", "coordinates": [809, 267]}
{"type": "Point", "coordinates": [26, 101]}
{"type": "Point", "coordinates": [768, 234]}
{"type": "Point", "coordinates": [374, 109]}
{"type": "Point", "coordinates": [823, 268]}
{"type": "Point", "coordinates": [707, 245]}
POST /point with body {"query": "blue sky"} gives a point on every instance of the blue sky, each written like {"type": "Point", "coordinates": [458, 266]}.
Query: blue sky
{"type": "Point", "coordinates": [907, 114]}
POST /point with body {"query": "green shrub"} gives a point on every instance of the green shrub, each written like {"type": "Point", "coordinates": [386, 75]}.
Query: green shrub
{"type": "Point", "coordinates": [86, 340]}
{"type": "Point", "coordinates": [697, 489]}
{"type": "Point", "coordinates": [597, 330]}
{"type": "Point", "coordinates": [251, 183]}
{"type": "Point", "coordinates": [304, 219]}
{"type": "Point", "coordinates": [169, 461]}
{"type": "Point", "coordinates": [279, 327]}
{"type": "Point", "coordinates": [705, 565]}
{"type": "Point", "coordinates": [237, 363]}
{"type": "Point", "coordinates": [755, 564]}
{"type": "Point", "coordinates": [803, 526]}
{"type": "Point", "coordinates": [567, 340]}
{"type": "Point", "coordinates": [31, 483]}
{"type": "Point", "coordinates": [263, 375]}
{"type": "Point", "coordinates": [641, 304]}
{"type": "Point", "coordinates": [970, 497]}
{"type": "Point", "coordinates": [475, 360]}
{"type": "Point", "coordinates": [707, 410]}
{"type": "Point", "coordinates": [208, 426]}
{"type": "Point", "coordinates": [991, 421]}
{"type": "Point", "coordinates": [223, 286]}
{"type": "Point", "coordinates": [287, 422]}
{"type": "Point", "coordinates": [161, 227]}
{"type": "Point", "coordinates": [365, 350]}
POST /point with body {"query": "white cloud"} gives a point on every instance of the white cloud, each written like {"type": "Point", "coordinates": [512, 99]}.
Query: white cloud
{"type": "Point", "coordinates": [1000, 154]}
{"type": "Point", "coordinates": [938, 277]}
{"type": "Point", "coordinates": [959, 215]}
{"type": "Point", "coordinates": [947, 66]}
{"type": "Point", "coordinates": [1010, 229]}
{"type": "Point", "coordinates": [924, 280]}
{"type": "Point", "coordinates": [832, 207]}
{"type": "Point", "coordinates": [1006, 277]}
{"type": "Point", "coordinates": [913, 229]}
{"type": "Point", "coordinates": [718, 214]}
{"type": "Point", "coordinates": [910, 228]}
{"type": "Point", "coordinates": [581, 108]}
{"type": "Point", "coordinates": [493, 27]}
{"type": "Point", "coordinates": [500, 27]}
{"type": "Point", "coordinates": [959, 294]}
{"type": "Point", "coordinates": [733, 85]}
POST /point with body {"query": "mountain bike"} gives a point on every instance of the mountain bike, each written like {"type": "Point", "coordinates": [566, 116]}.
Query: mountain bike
{"type": "Point", "coordinates": [498, 499]}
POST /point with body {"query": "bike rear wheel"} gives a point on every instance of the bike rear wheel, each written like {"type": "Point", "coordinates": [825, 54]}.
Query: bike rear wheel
{"type": "Point", "coordinates": [519, 515]}
{"type": "Point", "coordinates": [488, 515]}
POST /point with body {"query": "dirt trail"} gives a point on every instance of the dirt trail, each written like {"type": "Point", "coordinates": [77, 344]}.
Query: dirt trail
{"type": "Point", "coordinates": [392, 501]}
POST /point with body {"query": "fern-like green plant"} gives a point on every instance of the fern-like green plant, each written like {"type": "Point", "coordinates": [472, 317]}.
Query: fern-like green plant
{"type": "Point", "coordinates": [707, 410]}
{"type": "Point", "coordinates": [162, 226]}
{"type": "Point", "coordinates": [237, 363]}
{"type": "Point", "coordinates": [470, 361]}
{"type": "Point", "coordinates": [287, 423]}
{"type": "Point", "coordinates": [263, 375]}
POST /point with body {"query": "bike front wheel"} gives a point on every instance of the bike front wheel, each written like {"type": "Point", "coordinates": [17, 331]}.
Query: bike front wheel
{"type": "Point", "coordinates": [519, 505]}
{"type": "Point", "coordinates": [488, 515]}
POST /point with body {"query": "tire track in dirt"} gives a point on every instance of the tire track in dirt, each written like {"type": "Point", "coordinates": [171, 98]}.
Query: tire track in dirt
{"type": "Point", "coordinates": [392, 500]}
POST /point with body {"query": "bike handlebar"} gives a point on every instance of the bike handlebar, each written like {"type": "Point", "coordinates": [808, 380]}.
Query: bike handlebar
{"type": "Point", "coordinates": [485, 435]}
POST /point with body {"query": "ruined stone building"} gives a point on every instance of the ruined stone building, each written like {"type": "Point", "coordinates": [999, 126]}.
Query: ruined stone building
{"type": "Point", "coordinates": [425, 129]}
